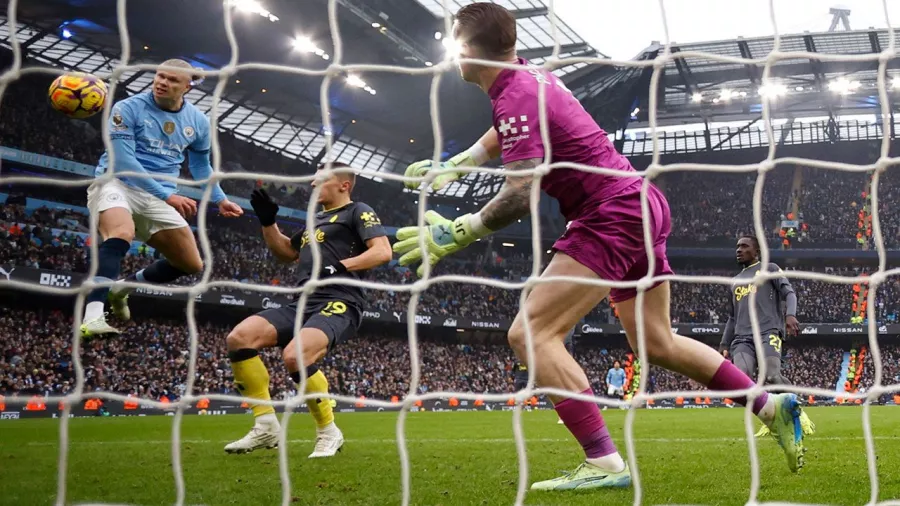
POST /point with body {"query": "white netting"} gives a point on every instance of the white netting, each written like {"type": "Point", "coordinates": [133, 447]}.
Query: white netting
{"type": "Point", "coordinates": [337, 68]}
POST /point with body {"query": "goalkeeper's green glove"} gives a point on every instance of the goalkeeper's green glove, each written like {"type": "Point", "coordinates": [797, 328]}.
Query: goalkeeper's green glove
{"type": "Point", "coordinates": [442, 237]}
{"type": "Point", "coordinates": [472, 157]}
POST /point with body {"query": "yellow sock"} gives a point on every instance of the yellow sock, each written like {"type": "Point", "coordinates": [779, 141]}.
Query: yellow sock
{"type": "Point", "coordinates": [319, 408]}
{"type": "Point", "coordinates": [252, 380]}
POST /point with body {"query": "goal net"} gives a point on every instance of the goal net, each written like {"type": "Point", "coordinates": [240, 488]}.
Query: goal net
{"type": "Point", "coordinates": [336, 68]}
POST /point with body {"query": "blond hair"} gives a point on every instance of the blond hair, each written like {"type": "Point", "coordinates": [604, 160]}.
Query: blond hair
{"type": "Point", "coordinates": [182, 64]}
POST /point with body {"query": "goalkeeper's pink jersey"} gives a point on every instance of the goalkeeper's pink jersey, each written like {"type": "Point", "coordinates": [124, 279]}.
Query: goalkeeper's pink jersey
{"type": "Point", "coordinates": [574, 137]}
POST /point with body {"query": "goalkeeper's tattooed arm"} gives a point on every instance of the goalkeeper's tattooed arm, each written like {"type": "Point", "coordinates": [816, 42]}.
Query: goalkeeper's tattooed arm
{"type": "Point", "coordinates": [513, 200]}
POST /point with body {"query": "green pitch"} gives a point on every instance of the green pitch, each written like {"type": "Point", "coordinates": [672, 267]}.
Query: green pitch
{"type": "Point", "coordinates": [685, 457]}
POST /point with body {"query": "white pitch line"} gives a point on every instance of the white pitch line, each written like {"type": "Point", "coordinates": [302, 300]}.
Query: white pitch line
{"type": "Point", "coordinates": [448, 441]}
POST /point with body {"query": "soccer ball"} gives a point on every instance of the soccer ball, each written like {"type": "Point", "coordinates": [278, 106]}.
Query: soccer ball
{"type": "Point", "coordinates": [78, 95]}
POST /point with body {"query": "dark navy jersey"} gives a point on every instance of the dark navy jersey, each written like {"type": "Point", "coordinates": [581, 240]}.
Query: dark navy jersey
{"type": "Point", "coordinates": [341, 233]}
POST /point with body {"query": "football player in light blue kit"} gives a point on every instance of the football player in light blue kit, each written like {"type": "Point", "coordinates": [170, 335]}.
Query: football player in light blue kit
{"type": "Point", "coordinates": [149, 133]}
{"type": "Point", "coordinates": [615, 380]}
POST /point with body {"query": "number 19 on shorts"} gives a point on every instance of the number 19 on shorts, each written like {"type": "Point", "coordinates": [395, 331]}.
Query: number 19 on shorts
{"type": "Point", "coordinates": [337, 307]}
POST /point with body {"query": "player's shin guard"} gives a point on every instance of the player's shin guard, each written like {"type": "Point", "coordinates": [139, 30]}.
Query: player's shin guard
{"type": "Point", "coordinates": [109, 261]}
{"type": "Point", "coordinates": [161, 271]}
{"type": "Point", "coordinates": [251, 378]}
{"type": "Point", "coordinates": [584, 421]}
{"type": "Point", "coordinates": [729, 377]}
{"type": "Point", "coordinates": [316, 383]}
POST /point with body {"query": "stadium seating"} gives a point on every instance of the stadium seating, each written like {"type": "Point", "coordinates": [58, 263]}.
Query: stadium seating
{"type": "Point", "coordinates": [150, 360]}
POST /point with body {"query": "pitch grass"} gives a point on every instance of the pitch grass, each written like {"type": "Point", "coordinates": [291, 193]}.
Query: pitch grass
{"type": "Point", "coordinates": [685, 456]}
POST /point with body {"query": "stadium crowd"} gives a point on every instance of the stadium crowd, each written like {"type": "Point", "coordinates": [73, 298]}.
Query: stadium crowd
{"type": "Point", "coordinates": [150, 360]}
{"type": "Point", "coordinates": [239, 254]}
{"type": "Point", "coordinates": [706, 206]}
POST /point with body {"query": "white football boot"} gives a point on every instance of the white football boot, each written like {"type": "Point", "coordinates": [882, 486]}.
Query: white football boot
{"type": "Point", "coordinates": [257, 439]}
{"type": "Point", "coordinates": [328, 442]}
{"type": "Point", "coordinates": [96, 327]}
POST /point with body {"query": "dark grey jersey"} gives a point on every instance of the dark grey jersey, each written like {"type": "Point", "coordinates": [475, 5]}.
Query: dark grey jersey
{"type": "Point", "coordinates": [769, 299]}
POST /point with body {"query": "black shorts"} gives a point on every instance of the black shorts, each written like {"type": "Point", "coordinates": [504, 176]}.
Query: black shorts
{"type": "Point", "coordinates": [336, 318]}
{"type": "Point", "coordinates": [521, 379]}
{"type": "Point", "coordinates": [772, 342]}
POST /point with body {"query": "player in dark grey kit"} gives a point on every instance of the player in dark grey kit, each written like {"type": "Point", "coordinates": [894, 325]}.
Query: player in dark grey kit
{"type": "Point", "coordinates": [737, 341]}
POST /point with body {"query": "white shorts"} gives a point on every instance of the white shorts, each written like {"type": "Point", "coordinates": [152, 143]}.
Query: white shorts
{"type": "Point", "coordinates": [614, 391]}
{"type": "Point", "coordinates": [149, 213]}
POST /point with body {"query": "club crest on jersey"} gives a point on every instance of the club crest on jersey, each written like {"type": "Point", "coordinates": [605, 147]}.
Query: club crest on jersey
{"type": "Point", "coordinates": [188, 131]}
{"type": "Point", "coordinates": [169, 127]}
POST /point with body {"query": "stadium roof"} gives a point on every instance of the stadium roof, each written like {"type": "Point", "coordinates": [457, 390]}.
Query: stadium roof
{"type": "Point", "coordinates": [704, 89]}
{"type": "Point", "coordinates": [382, 130]}
{"type": "Point", "coordinates": [535, 39]}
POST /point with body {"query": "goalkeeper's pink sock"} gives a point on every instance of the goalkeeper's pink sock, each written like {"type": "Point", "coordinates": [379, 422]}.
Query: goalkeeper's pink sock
{"type": "Point", "coordinates": [729, 377]}
{"type": "Point", "coordinates": [584, 421]}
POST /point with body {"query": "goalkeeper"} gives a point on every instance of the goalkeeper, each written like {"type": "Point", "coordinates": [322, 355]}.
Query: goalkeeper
{"type": "Point", "coordinates": [605, 240]}
{"type": "Point", "coordinates": [351, 241]}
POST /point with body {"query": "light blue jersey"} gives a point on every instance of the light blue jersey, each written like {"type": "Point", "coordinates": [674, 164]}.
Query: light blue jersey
{"type": "Point", "coordinates": [148, 139]}
{"type": "Point", "coordinates": [616, 377]}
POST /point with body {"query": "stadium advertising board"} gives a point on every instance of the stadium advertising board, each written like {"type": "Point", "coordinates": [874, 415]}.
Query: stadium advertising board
{"type": "Point", "coordinates": [257, 301]}
{"type": "Point", "coordinates": [25, 407]}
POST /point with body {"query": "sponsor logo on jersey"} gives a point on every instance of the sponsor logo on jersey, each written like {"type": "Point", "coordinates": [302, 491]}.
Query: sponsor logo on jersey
{"type": "Point", "coordinates": [369, 219]}
{"type": "Point", "coordinates": [304, 239]}
{"type": "Point", "coordinates": [169, 127]}
{"type": "Point", "coordinates": [231, 300]}
{"type": "Point", "coordinates": [60, 280]}
{"type": "Point", "coordinates": [742, 291]}
{"type": "Point", "coordinates": [268, 303]}
{"type": "Point", "coordinates": [509, 126]}
{"type": "Point", "coordinates": [188, 131]}
{"type": "Point", "coordinates": [810, 330]}
{"type": "Point", "coordinates": [450, 322]}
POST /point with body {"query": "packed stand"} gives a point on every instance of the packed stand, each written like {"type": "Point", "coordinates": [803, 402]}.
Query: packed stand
{"type": "Point", "coordinates": [240, 254]}
{"type": "Point", "coordinates": [829, 206]}
{"type": "Point", "coordinates": [150, 360]}
{"type": "Point", "coordinates": [718, 207]}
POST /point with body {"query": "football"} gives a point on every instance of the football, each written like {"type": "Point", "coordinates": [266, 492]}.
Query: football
{"type": "Point", "coordinates": [78, 95]}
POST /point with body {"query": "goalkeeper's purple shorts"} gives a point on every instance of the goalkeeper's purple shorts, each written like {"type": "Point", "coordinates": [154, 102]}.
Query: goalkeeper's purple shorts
{"type": "Point", "coordinates": [608, 238]}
